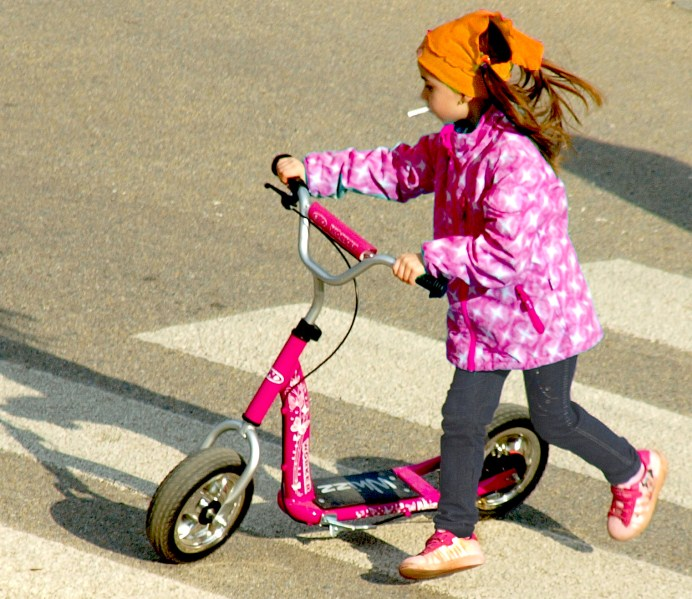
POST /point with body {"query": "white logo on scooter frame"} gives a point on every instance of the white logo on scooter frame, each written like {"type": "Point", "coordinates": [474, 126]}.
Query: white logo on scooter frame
{"type": "Point", "coordinates": [275, 377]}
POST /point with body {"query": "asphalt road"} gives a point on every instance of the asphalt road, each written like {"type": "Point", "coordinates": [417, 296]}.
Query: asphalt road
{"type": "Point", "coordinates": [135, 138]}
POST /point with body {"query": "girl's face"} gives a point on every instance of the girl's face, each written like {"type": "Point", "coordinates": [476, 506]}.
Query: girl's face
{"type": "Point", "coordinates": [446, 104]}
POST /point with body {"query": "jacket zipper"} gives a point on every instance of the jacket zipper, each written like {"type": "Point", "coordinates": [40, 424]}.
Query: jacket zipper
{"type": "Point", "coordinates": [471, 361]}
{"type": "Point", "coordinates": [527, 306]}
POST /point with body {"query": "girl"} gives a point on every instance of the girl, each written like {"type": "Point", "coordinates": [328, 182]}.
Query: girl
{"type": "Point", "coordinates": [517, 296]}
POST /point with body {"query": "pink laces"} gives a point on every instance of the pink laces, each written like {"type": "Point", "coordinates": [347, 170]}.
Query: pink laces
{"type": "Point", "coordinates": [441, 538]}
{"type": "Point", "coordinates": [624, 502]}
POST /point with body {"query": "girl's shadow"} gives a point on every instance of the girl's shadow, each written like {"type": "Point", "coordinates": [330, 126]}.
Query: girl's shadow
{"type": "Point", "coordinates": [658, 184]}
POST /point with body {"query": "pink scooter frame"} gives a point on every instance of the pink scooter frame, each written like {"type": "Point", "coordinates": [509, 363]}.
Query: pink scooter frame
{"type": "Point", "coordinates": [297, 495]}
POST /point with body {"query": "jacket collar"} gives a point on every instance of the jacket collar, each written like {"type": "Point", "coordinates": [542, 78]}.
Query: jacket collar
{"type": "Point", "coordinates": [457, 139]}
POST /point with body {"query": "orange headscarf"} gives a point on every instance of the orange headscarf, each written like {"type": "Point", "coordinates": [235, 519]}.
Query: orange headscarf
{"type": "Point", "coordinates": [451, 52]}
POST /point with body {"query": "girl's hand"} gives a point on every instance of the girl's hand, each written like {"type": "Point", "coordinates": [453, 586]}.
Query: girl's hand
{"type": "Point", "coordinates": [408, 267]}
{"type": "Point", "coordinates": [290, 168]}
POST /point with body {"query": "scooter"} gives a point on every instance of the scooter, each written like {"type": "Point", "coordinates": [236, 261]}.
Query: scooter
{"type": "Point", "coordinates": [204, 499]}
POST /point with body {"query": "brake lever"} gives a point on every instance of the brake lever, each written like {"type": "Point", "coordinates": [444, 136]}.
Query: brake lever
{"type": "Point", "coordinates": [288, 200]}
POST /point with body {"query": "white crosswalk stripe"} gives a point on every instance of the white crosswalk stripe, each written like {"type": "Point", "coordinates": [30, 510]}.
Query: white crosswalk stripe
{"type": "Point", "coordinates": [31, 566]}
{"type": "Point", "coordinates": [643, 302]}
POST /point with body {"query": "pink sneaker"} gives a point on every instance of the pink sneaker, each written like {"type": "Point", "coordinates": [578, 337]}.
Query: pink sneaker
{"type": "Point", "coordinates": [444, 553]}
{"type": "Point", "coordinates": [633, 507]}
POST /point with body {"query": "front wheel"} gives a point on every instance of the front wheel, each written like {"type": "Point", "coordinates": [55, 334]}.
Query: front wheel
{"type": "Point", "coordinates": [512, 445]}
{"type": "Point", "coordinates": [180, 520]}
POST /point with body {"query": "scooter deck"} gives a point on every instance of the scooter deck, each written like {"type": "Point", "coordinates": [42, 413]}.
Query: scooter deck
{"type": "Point", "coordinates": [382, 486]}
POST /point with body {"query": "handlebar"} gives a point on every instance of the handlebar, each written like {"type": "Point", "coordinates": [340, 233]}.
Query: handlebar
{"type": "Point", "coordinates": [341, 234]}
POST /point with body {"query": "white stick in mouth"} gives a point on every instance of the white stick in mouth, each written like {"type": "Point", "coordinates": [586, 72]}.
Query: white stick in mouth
{"type": "Point", "coordinates": [417, 111]}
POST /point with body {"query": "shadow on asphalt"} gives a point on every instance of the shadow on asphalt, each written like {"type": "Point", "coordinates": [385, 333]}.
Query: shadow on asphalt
{"type": "Point", "coordinates": [19, 352]}
{"type": "Point", "coordinates": [108, 524]}
{"type": "Point", "coordinates": [83, 512]}
{"type": "Point", "coordinates": [656, 183]}
{"type": "Point", "coordinates": [529, 517]}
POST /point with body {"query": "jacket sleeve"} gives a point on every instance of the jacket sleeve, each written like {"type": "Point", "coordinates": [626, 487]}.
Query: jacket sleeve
{"type": "Point", "coordinates": [499, 255]}
{"type": "Point", "coordinates": [399, 174]}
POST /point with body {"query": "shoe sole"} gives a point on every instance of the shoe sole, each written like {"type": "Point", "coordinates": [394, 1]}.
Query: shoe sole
{"type": "Point", "coordinates": [445, 569]}
{"type": "Point", "coordinates": [654, 499]}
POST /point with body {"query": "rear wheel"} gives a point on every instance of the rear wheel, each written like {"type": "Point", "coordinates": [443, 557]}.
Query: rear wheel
{"type": "Point", "coordinates": [512, 444]}
{"type": "Point", "coordinates": [180, 520]}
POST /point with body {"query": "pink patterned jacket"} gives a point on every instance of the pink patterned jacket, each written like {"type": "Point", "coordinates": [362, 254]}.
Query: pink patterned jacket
{"type": "Point", "coordinates": [517, 295]}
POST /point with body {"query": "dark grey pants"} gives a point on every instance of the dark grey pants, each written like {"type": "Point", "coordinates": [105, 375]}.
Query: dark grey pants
{"type": "Point", "coordinates": [469, 408]}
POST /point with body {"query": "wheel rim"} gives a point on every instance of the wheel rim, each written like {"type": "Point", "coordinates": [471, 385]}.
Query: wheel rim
{"type": "Point", "coordinates": [512, 442]}
{"type": "Point", "coordinates": [195, 529]}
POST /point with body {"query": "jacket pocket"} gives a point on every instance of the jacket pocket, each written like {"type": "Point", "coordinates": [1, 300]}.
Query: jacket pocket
{"type": "Point", "coordinates": [527, 306]}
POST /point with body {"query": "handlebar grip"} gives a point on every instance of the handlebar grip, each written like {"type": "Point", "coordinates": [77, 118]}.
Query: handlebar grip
{"type": "Point", "coordinates": [437, 287]}
{"type": "Point", "coordinates": [295, 184]}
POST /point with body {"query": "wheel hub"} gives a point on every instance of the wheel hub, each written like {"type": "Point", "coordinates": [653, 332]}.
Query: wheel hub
{"type": "Point", "coordinates": [207, 514]}
{"type": "Point", "coordinates": [196, 528]}
{"type": "Point", "coordinates": [512, 449]}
